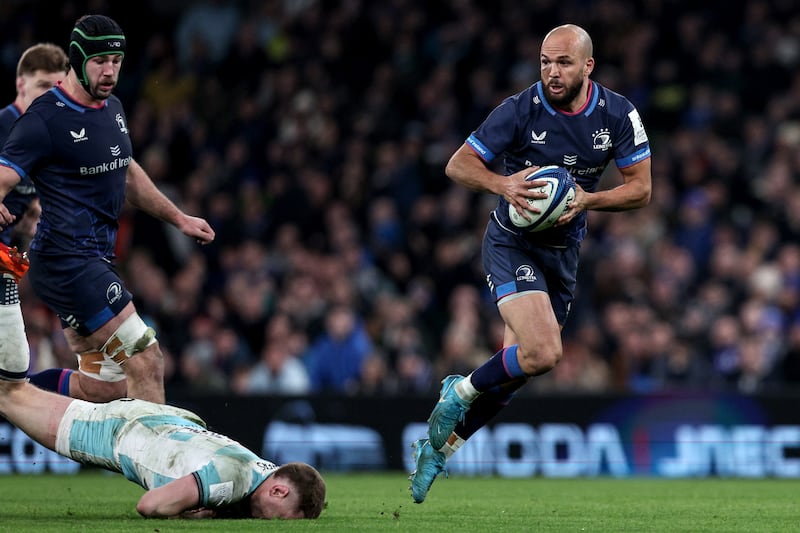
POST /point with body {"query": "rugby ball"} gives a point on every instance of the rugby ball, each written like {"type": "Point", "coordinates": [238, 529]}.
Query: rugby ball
{"type": "Point", "coordinates": [560, 188]}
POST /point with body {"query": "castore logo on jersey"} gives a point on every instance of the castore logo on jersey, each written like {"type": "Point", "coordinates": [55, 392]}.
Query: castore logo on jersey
{"type": "Point", "coordinates": [79, 136]}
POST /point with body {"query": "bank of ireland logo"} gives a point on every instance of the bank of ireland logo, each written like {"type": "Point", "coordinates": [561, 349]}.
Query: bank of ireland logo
{"type": "Point", "coordinates": [601, 140]}
{"type": "Point", "coordinates": [113, 292]}
{"type": "Point", "coordinates": [525, 273]}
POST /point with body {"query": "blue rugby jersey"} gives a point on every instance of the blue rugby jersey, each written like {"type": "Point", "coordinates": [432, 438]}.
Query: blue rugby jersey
{"type": "Point", "coordinates": [77, 157]}
{"type": "Point", "coordinates": [21, 196]}
{"type": "Point", "coordinates": [527, 131]}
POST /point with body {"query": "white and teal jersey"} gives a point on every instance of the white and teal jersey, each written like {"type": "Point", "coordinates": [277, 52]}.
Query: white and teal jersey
{"type": "Point", "coordinates": [153, 444]}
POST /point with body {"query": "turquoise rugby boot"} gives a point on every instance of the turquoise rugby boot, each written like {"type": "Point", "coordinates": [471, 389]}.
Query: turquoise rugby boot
{"type": "Point", "coordinates": [449, 411]}
{"type": "Point", "coordinates": [430, 463]}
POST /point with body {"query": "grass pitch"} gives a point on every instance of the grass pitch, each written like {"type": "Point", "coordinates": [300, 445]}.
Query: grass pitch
{"type": "Point", "coordinates": [98, 502]}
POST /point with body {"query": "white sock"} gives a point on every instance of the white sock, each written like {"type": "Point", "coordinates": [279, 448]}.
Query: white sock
{"type": "Point", "coordinates": [15, 353]}
{"type": "Point", "coordinates": [465, 390]}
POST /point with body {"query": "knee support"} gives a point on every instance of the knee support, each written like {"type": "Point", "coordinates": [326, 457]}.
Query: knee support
{"type": "Point", "coordinates": [132, 336]}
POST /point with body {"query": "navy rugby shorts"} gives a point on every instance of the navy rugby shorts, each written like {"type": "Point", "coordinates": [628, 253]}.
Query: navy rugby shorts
{"type": "Point", "coordinates": [84, 292]}
{"type": "Point", "coordinates": [515, 264]}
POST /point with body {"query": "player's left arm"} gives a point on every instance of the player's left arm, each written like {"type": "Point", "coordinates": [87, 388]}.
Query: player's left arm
{"type": "Point", "coordinates": [177, 498]}
{"type": "Point", "coordinates": [143, 194]}
{"type": "Point", "coordinates": [633, 193]}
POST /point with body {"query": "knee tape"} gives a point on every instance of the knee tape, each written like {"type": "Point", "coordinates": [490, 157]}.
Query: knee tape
{"type": "Point", "coordinates": [131, 337]}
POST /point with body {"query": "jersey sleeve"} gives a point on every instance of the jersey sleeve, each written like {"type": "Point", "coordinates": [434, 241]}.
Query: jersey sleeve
{"type": "Point", "coordinates": [632, 145]}
{"type": "Point", "coordinates": [28, 143]}
{"type": "Point", "coordinates": [497, 133]}
{"type": "Point", "coordinates": [233, 474]}
{"type": "Point", "coordinates": [218, 489]}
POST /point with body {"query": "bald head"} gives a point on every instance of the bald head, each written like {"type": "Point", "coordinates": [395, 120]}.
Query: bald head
{"type": "Point", "coordinates": [577, 36]}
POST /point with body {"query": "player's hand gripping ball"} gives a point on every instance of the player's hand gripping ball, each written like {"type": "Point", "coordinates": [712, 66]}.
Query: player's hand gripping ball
{"type": "Point", "coordinates": [560, 189]}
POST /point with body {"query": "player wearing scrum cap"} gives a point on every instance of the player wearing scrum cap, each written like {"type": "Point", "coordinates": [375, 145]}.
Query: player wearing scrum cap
{"type": "Point", "coordinates": [73, 142]}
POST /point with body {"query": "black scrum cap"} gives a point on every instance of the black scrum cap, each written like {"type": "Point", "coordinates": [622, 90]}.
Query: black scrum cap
{"type": "Point", "coordinates": [93, 35]}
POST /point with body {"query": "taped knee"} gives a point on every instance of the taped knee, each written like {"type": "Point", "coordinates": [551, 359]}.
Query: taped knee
{"type": "Point", "coordinates": [132, 336]}
{"type": "Point", "coordinates": [97, 366]}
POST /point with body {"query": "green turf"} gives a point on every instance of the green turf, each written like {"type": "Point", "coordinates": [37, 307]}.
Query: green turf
{"type": "Point", "coordinates": [96, 502]}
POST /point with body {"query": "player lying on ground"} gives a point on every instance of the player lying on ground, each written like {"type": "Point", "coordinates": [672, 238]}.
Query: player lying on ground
{"type": "Point", "coordinates": [188, 471]}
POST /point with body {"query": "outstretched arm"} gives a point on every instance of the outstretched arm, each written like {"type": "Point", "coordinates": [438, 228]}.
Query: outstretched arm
{"type": "Point", "coordinates": [143, 194]}
{"type": "Point", "coordinates": [171, 499]}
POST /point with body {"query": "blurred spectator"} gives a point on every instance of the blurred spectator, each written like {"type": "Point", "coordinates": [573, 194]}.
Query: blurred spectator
{"type": "Point", "coordinates": [279, 369]}
{"type": "Point", "coordinates": [198, 359]}
{"type": "Point", "coordinates": [754, 373]}
{"type": "Point", "coordinates": [336, 357]}
{"type": "Point", "coordinates": [205, 32]}
{"type": "Point", "coordinates": [376, 376]}
{"type": "Point", "coordinates": [414, 374]}
{"type": "Point", "coordinates": [681, 368]}
{"type": "Point", "coordinates": [725, 347]}
{"type": "Point", "coordinates": [580, 371]}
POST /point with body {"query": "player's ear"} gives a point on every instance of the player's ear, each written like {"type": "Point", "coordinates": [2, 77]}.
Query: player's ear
{"type": "Point", "coordinates": [588, 67]}
{"type": "Point", "coordinates": [279, 490]}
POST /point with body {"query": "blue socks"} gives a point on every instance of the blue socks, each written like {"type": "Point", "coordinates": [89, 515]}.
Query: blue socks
{"type": "Point", "coordinates": [502, 368]}
{"type": "Point", "coordinates": [486, 406]}
{"type": "Point", "coordinates": [53, 379]}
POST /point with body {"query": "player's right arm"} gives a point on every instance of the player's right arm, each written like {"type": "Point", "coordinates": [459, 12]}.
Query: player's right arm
{"type": "Point", "coordinates": [467, 168]}
{"type": "Point", "coordinates": [172, 499]}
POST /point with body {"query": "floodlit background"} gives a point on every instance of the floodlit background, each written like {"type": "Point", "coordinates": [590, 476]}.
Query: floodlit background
{"type": "Point", "coordinates": [313, 136]}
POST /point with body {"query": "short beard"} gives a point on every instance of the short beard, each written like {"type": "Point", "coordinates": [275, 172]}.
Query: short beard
{"type": "Point", "coordinates": [92, 90]}
{"type": "Point", "coordinates": [563, 101]}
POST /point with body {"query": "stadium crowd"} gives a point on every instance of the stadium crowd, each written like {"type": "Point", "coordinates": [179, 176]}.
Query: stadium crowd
{"type": "Point", "coordinates": [313, 135]}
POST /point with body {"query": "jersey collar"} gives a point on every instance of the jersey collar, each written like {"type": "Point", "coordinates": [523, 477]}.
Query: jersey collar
{"type": "Point", "coordinates": [64, 96]}
{"type": "Point", "coordinates": [588, 107]}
